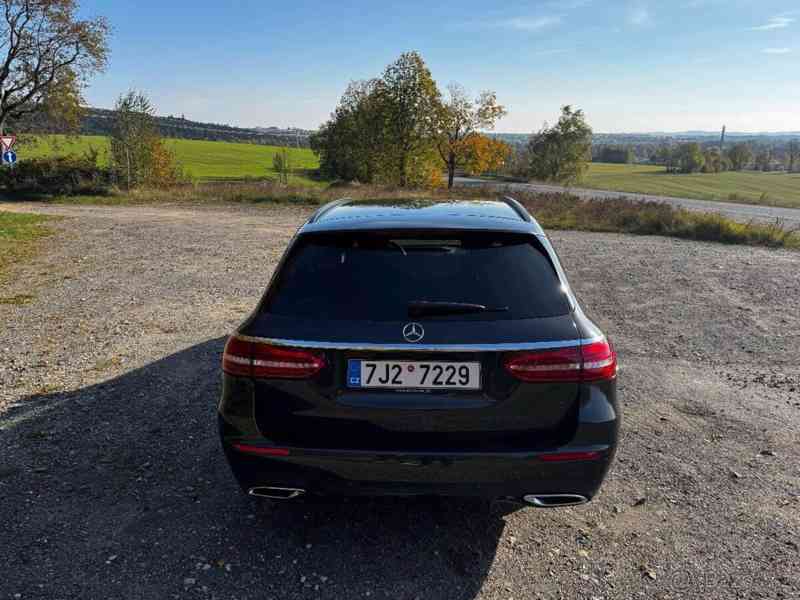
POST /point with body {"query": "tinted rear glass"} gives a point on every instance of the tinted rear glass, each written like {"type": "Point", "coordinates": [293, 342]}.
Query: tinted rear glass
{"type": "Point", "coordinates": [375, 277]}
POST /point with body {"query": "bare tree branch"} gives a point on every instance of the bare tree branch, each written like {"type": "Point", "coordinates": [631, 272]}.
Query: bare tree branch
{"type": "Point", "coordinates": [46, 48]}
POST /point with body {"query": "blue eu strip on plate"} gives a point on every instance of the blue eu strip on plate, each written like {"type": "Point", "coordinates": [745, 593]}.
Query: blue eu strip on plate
{"type": "Point", "coordinates": [353, 373]}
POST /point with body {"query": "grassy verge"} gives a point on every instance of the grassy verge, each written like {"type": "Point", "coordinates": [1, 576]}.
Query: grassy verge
{"type": "Point", "coordinates": [19, 237]}
{"type": "Point", "coordinates": [552, 210]}
{"type": "Point", "coordinates": [622, 215]}
{"type": "Point", "coordinates": [747, 187]}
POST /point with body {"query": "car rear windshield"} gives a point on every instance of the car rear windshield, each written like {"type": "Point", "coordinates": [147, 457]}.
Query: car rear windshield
{"type": "Point", "coordinates": [378, 277]}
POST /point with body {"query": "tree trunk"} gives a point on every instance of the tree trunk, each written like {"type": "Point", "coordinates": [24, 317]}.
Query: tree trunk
{"type": "Point", "coordinates": [403, 178]}
{"type": "Point", "coordinates": [451, 170]}
{"type": "Point", "coordinates": [128, 157]}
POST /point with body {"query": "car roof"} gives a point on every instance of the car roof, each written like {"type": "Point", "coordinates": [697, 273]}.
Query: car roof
{"type": "Point", "coordinates": [505, 215]}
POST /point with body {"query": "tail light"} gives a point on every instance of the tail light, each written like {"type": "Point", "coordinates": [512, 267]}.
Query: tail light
{"type": "Point", "coordinates": [599, 361]}
{"type": "Point", "coordinates": [247, 358]}
{"type": "Point", "coordinates": [593, 362]}
{"type": "Point", "coordinates": [563, 364]}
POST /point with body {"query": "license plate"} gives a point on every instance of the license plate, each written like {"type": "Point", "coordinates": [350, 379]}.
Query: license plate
{"type": "Point", "coordinates": [413, 374]}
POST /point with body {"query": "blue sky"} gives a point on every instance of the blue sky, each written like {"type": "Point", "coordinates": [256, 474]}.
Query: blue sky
{"type": "Point", "coordinates": [632, 65]}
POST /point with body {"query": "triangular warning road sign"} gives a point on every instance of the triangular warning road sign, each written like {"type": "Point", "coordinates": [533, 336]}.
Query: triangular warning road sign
{"type": "Point", "coordinates": [8, 141]}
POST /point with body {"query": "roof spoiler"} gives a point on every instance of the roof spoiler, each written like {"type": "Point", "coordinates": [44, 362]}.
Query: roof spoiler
{"type": "Point", "coordinates": [518, 208]}
{"type": "Point", "coordinates": [327, 208]}
{"type": "Point", "coordinates": [511, 202]}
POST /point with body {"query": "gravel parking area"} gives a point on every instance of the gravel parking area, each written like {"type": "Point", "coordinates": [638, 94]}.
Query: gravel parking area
{"type": "Point", "coordinates": [113, 485]}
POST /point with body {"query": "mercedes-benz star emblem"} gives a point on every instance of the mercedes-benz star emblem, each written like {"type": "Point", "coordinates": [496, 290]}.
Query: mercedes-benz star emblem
{"type": "Point", "coordinates": [413, 332]}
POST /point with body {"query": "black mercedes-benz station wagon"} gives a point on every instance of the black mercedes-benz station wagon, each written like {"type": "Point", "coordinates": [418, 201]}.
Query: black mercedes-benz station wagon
{"type": "Point", "coordinates": [420, 348]}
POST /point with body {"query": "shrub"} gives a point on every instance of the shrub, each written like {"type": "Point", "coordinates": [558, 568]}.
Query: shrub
{"type": "Point", "coordinates": [164, 170]}
{"type": "Point", "coordinates": [57, 176]}
{"type": "Point", "coordinates": [282, 165]}
{"type": "Point", "coordinates": [138, 153]}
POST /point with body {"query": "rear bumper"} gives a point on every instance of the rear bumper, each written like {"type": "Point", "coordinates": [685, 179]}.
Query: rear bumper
{"type": "Point", "coordinates": [497, 473]}
{"type": "Point", "coordinates": [487, 475]}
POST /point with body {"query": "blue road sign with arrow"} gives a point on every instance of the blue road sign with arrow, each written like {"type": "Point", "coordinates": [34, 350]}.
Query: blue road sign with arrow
{"type": "Point", "coordinates": [10, 157]}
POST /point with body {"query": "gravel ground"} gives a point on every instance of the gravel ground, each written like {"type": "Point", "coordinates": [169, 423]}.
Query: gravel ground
{"type": "Point", "coordinates": [113, 485]}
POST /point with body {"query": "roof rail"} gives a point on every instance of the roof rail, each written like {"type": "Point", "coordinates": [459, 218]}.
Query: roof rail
{"type": "Point", "coordinates": [518, 208]}
{"type": "Point", "coordinates": [321, 212]}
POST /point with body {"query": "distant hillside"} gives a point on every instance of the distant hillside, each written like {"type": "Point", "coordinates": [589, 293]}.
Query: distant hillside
{"type": "Point", "coordinates": [658, 138]}
{"type": "Point", "coordinates": [99, 121]}
{"type": "Point", "coordinates": [641, 147]}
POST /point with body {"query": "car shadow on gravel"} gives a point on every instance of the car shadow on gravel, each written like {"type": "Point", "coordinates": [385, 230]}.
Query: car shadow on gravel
{"type": "Point", "coordinates": [126, 484]}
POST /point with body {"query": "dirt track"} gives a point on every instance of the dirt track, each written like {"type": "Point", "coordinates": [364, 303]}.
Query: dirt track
{"type": "Point", "coordinates": [112, 483]}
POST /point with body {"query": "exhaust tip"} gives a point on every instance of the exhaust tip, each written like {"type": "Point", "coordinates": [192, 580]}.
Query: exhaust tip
{"type": "Point", "coordinates": [554, 500]}
{"type": "Point", "coordinates": [275, 493]}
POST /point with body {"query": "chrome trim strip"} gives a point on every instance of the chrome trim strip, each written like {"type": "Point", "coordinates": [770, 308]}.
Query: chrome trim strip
{"type": "Point", "coordinates": [290, 492]}
{"type": "Point", "coordinates": [552, 500]}
{"type": "Point", "coordinates": [408, 347]}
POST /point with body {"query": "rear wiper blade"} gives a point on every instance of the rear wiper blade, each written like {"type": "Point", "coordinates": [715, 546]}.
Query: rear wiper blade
{"type": "Point", "coordinates": [421, 308]}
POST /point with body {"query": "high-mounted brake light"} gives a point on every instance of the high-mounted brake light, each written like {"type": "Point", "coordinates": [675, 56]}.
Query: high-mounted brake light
{"type": "Point", "coordinates": [247, 358]}
{"type": "Point", "coordinates": [591, 362]}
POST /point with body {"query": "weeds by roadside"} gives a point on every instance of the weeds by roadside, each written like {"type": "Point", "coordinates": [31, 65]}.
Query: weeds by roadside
{"type": "Point", "coordinates": [622, 215]}
{"type": "Point", "coordinates": [19, 235]}
{"type": "Point", "coordinates": [552, 210]}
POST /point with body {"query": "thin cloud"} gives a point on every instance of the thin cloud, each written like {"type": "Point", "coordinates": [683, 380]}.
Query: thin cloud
{"type": "Point", "coordinates": [639, 15]}
{"type": "Point", "coordinates": [550, 52]}
{"type": "Point", "coordinates": [702, 3]}
{"type": "Point", "coordinates": [776, 50]}
{"type": "Point", "coordinates": [775, 23]}
{"type": "Point", "coordinates": [521, 23]}
{"type": "Point", "coordinates": [529, 23]}
{"type": "Point", "coordinates": [567, 4]}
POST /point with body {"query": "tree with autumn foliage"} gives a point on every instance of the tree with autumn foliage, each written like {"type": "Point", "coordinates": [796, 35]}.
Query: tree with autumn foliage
{"type": "Point", "coordinates": [482, 154]}
{"type": "Point", "coordinates": [398, 130]}
{"type": "Point", "coordinates": [381, 130]}
{"type": "Point", "coordinates": [459, 119]}
{"type": "Point", "coordinates": [409, 99]}
{"type": "Point", "coordinates": [49, 55]}
{"type": "Point", "coordinates": [139, 155]}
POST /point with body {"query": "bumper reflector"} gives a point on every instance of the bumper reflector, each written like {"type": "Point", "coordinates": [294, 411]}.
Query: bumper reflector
{"type": "Point", "coordinates": [570, 456]}
{"type": "Point", "coordinates": [261, 450]}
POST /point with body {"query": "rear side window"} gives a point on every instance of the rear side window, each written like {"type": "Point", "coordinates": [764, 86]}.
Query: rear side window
{"type": "Point", "coordinates": [377, 277]}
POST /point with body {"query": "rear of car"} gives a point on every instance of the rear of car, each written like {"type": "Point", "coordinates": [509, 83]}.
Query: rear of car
{"type": "Point", "coordinates": [420, 353]}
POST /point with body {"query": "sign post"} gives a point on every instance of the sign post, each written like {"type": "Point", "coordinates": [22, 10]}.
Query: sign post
{"type": "Point", "coordinates": [9, 156]}
{"type": "Point", "coordinates": [8, 141]}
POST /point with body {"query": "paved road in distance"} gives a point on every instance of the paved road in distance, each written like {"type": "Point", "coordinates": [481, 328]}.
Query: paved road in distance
{"type": "Point", "coordinates": [739, 212]}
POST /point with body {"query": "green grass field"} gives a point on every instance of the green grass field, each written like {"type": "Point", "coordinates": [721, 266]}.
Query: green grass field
{"type": "Point", "coordinates": [775, 189]}
{"type": "Point", "coordinates": [225, 161]}
{"type": "Point", "coordinates": [201, 160]}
